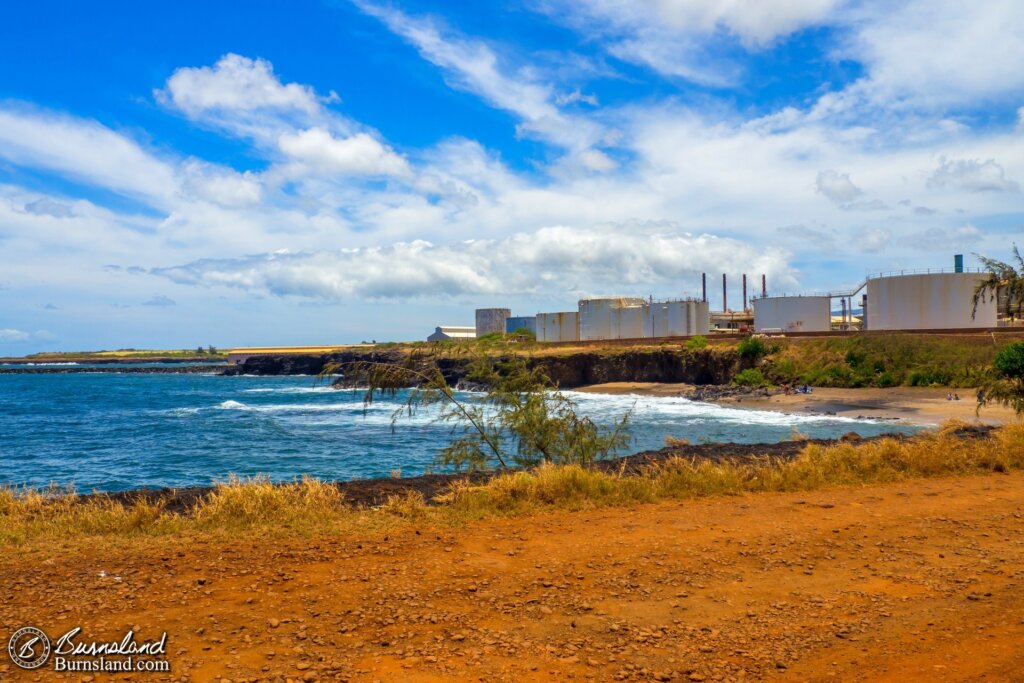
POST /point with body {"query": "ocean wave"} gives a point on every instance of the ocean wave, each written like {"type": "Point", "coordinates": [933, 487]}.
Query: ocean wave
{"type": "Point", "coordinates": [667, 407]}
{"type": "Point", "coordinates": [289, 390]}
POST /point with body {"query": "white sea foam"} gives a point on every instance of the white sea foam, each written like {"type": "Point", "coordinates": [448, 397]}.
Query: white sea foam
{"type": "Point", "coordinates": [668, 407]}
{"type": "Point", "coordinates": [289, 390]}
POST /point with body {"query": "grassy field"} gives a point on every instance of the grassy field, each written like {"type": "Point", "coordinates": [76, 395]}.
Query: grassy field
{"type": "Point", "coordinates": [884, 360]}
{"type": "Point", "coordinates": [32, 517]}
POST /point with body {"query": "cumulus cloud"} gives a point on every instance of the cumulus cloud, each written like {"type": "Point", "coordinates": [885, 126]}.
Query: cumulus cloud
{"type": "Point", "coordinates": [837, 187]}
{"type": "Point", "coordinates": [972, 175]}
{"type": "Point", "coordinates": [236, 83]}
{"type": "Point", "coordinates": [548, 260]}
{"type": "Point", "coordinates": [318, 151]}
{"type": "Point", "coordinates": [935, 53]}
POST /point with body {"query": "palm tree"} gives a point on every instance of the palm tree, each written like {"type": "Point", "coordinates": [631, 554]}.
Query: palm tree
{"type": "Point", "coordinates": [1002, 276]}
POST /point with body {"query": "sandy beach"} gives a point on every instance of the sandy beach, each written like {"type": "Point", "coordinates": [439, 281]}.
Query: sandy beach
{"type": "Point", "coordinates": [914, 405]}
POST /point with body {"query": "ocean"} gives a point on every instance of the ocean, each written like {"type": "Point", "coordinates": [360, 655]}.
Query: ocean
{"type": "Point", "coordinates": [119, 431]}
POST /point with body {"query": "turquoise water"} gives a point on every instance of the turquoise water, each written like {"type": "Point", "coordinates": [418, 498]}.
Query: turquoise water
{"type": "Point", "coordinates": [113, 431]}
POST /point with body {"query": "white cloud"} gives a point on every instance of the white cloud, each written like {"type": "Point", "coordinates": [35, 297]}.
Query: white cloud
{"type": "Point", "coordinates": [943, 239]}
{"type": "Point", "coordinates": [874, 240]}
{"type": "Point", "coordinates": [675, 37]}
{"type": "Point", "coordinates": [318, 151]}
{"type": "Point", "coordinates": [972, 175]}
{"type": "Point", "coordinates": [548, 260]}
{"type": "Point", "coordinates": [472, 65]}
{"type": "Point", "coordinates": [837, 187]}
{"type": "Point", "coordinates": [235, 83]}
{"type": "Point", "coordinates": [10, 336]}
{"type": "Point", "coordinates": [85, 151]}
{"type": "Point", "coordinates": [937, 53]}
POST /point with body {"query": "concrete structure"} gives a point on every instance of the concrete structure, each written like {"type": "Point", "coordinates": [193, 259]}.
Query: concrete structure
{"type": "Point", "coordinates": [490, 320]}
{"type": "Point", "coordinates": [684, 318]}
{"type": "Point", "coordinates": [731, 321]}
{"type": "Point", "coordinates": [793, 314]}
{"type": "Point", "coordinates": [927, 301]}
{"type": "Point", "coordinates": [452, 333]}
{"type": "Point", "coordinates": [517, 323]}
{"type": "Point", "coordinates": [558, 327]}
{"type": "Point", "coordinates": [611, 318]}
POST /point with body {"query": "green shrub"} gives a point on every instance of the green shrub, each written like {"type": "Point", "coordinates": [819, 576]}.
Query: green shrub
{"type": "Point", "coordinates": [695, 343]}
{"type": "Point", "coordinates": [1010, 361]}
{"type": "Point", "coordinates": [751, 377]}
{"type": "Point", "coordinates": [751, 348]}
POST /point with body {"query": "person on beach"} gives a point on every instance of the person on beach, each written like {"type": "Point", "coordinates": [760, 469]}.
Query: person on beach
{"type": "Point", "coordinates": [949, 397]}
{"type": "Point", "coordinates": [981, 397]}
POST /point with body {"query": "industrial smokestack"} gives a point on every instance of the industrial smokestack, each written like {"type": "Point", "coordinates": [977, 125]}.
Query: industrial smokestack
{"type": "Point", "coordinates": [764, 286]}
{"type": "Point", "coordinates": [725, 299]}
{"type": "Point", "coordinates": [744, 291]}
{"type": "Point", "coordinates": [704, 286]}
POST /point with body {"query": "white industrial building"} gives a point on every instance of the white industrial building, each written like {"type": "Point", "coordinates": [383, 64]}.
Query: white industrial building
{"type": "Point", "coordinates": [927, 301]}
{"type": "Point", "coordinates": [452, 333]}
{"type": "Point", "coordinates": [793, 313]}
{"type": "Point", "coordinates": [558, 327]}
{"type": "Point", "coordinates": [676, 318]}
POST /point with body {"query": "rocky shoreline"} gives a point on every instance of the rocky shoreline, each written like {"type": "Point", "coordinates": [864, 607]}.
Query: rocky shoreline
{"type": "Point", "coordinates": [375, 492]}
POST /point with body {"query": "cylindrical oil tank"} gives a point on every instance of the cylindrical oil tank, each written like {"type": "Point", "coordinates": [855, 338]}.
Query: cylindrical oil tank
{"type": "Point", "coordinates": [520, 323]}
{"type": "Point", "coordinates": [558, 327]}
{"type": "Point", "coordinates": [683, 318]}
{"type": "Point", "coordinates": [793, 314]}
{"type": "Point", "coordinates": [602, 318]}
{"type": "Point", "coordinates": [489, 320]}
{"type": "Point", "coordinates": [927, 301]}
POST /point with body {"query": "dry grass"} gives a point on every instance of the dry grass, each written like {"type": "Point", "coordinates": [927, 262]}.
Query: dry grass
{"type": "Point", "coordinates": [307, 506]}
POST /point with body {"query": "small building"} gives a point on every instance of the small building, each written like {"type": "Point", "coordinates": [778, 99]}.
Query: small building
{"type": "Point", "coordinates": [491, 320]}
{"type": "Point", "coordinates": [528, 322]}
{"type": "Point", "coordinates": [452, 333]}
{"type": "Point", "coordinates": [558, 327]}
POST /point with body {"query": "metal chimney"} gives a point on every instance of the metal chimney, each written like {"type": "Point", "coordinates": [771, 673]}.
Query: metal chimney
{"type": "Point", "coordinates": [725, 299]}
{"type": "Point", "coordinates": [704, 286]}
{"type": "Point", "coordinates": [764, 286]}
{"type": "Point", "coordinates": [744, 291]}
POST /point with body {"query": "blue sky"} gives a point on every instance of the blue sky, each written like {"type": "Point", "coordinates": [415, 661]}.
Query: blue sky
{"type": "Point", "coordinates": [219, 173]}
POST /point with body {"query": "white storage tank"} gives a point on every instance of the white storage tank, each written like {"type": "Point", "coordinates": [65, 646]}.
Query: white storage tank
{"type": "Point", "coordinates": [684, 318]}
{"type": "Point", "coordinates": [489, 320]}
{"type": "Point", "coordinates": [611, 318]}
{"type": "Point", "coordinates": [927, 301]}
{"type": "Point", "coordinates": [793, 314]}
{"type": "Point", "coordinates": [558, 327]}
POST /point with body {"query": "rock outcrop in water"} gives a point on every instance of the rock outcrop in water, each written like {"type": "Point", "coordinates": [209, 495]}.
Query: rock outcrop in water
{"type": "Point", "coordinates": [703, 366]}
